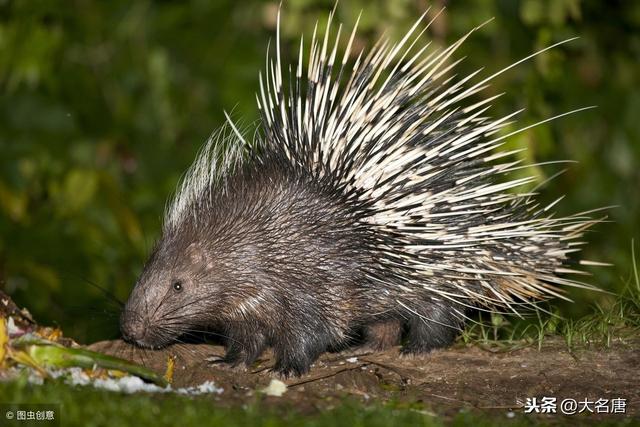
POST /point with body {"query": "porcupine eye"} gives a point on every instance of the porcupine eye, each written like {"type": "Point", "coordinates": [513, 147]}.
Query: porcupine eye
{"type": "Point", "coordinates": [177, 286]}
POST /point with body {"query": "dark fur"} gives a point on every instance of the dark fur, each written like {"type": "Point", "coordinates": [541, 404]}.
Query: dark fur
{"type": "Point", "coordinates": [276, 257]}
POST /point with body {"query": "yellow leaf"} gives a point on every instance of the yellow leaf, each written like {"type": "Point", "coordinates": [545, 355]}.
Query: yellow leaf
{"type": "Point", "coordinates": [4, 339]}
{"type": "Point", "coordinates": [168, 375]}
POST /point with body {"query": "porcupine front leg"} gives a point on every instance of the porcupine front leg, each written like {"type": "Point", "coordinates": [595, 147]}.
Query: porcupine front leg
{"type": "Point", "coordinates": [296, 357]}
{"type": "Point", "coordinates": [434, 327]}
{"type": "Point", "coordinates": [297, 347]}
{"type": "Point", "coordinates": [245, 342]}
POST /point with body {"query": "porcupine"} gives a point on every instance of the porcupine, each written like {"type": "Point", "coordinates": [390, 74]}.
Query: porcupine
{"type": "Point", "coordinates": [369, 203]}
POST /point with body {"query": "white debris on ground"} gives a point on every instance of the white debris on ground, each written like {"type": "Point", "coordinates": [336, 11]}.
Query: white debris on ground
{"type": "Point", "coordinates": [204, 388]}
{"type": "Point", "coordinates": [275, 388]}
{"type": "Point", "coordinates": [127, 384]}
{"type": "Point", "coordinates": [352, 360]}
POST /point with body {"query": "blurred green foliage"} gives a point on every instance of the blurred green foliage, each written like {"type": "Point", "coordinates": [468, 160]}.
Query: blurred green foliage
{"type": "Point", "coordinates": [104, 104]}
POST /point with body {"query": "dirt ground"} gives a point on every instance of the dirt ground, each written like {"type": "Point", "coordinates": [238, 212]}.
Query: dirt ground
{"type": "Point", "coordinates": [443, 382]}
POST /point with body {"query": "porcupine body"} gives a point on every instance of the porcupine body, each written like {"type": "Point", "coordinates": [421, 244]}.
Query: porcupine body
{"type": "Point", "coordinates": [369, 202]}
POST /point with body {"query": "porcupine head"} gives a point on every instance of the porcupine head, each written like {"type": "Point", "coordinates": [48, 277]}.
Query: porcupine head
{"type": "Point", "coordinates": [374, 202]}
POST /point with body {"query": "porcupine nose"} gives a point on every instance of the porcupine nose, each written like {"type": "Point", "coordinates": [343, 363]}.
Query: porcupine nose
{"type": "Point", "coordinates": [132, 326]}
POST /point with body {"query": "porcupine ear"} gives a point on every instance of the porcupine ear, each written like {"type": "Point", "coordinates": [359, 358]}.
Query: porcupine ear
{"type": "Point", "coordinates": [397, 131]}
{"type": "Point", "coordinates": [221, 154]}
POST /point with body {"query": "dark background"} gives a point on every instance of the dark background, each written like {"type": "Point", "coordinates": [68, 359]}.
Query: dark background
{"type": "Point", "coordinates": [103, 105]}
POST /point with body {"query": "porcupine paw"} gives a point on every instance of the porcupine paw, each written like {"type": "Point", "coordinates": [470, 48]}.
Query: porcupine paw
{"type": "Point", "coordinates": [292, 367]}
{"type": "Point", "coordinates": [242, 349]}
{"type": "Point", "coordinates": [426, 334]}
{"type": "Point", "coordinates": [296, 358]}
{"type": "Point", "coordinates": [382, 335]}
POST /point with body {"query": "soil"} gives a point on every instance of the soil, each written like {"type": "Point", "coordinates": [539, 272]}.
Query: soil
{"type": "Point", "coordinates": [443, 382]}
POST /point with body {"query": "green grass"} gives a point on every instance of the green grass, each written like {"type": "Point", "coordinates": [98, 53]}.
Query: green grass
{"type": "Point", "coordinates": [84, 406]}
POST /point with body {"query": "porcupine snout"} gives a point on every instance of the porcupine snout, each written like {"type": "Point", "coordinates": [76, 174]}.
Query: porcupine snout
{"type": "Point", "coordinates": [133, 327]}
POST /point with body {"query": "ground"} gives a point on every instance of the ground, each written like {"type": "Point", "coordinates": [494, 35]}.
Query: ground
{"type": "Point", "coordinates": [478, 381]}
{"type": "Point", "coordinates": [444, 382]}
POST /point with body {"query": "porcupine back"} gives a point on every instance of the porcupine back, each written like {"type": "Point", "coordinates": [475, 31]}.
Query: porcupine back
{"type": "Point", "coordinates": [398, 138]}
{"type": "Point", "coordinates": [410, 168]}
